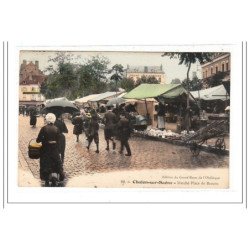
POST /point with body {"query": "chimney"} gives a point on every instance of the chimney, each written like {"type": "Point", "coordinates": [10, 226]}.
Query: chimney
{"type": "Point", "coordinates": [37, 64]}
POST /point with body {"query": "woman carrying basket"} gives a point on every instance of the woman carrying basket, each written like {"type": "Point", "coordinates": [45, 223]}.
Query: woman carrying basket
{"type": "Point", "coordinates": [50, 161]}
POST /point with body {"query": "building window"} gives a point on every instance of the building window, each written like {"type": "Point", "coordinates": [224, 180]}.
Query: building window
{"type": "Point", "coordinates": [159, 79]}
{"type": "Point", "coordinates": [227, 68]}
{"type": "Point", "coordinates": [222, 67]}
{"type": "Point", "coordinates": [24, 89]}
{"type": "Point", "coordinates": [216, 69]}
{"type": "Point", "coordinates": [203, 74]}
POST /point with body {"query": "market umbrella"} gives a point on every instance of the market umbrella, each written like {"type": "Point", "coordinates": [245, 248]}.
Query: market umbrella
{"type": "Point", "coordinates": [115, 101]}
{"type": "Point", "coordinates": [60, 106]}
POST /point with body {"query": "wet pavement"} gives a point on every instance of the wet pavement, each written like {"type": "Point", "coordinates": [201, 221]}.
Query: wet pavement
{"type": "Point", "coordinates": [146, 154]}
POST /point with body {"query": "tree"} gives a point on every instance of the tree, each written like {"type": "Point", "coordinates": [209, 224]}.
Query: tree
{"type": "Point", "coordinates": [193, 85]}
{"type": "Point", "coordinates": [93, 76]}
{"type": "Point", "coordinates": [152, 79]}
{"type": "Point", "coordinates": [117, 75]}
{"type": "Point", "coordinates": [114, 86]}
{"type": "Point", "coordinates": [127, 83]}
{"type": "Point", "coordinates": [216, 79]}
{"type": "Point", "coordinates": [176, 81]}
{"type": "Point", "coordinates": [147, 79]}
{"type": "Point", "coordinates": [61, 81]}
{"type": "Point", "coordinates": [64, 57]}
{"type": "Point", "coordinates": [188, 59]}
{"type": "Point", "coordinates": [66, 78]}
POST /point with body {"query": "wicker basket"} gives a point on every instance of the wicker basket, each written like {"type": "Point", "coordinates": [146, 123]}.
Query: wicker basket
{"type": "Point", "coordinates": [34, 149]}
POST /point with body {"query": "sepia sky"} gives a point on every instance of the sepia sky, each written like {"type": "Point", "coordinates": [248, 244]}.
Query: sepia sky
{"type": "Point", "coordinates": [170, 66]}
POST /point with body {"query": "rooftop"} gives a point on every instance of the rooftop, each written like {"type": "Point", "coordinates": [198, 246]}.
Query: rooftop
{"type": "Point", "coordinates": [145, 69]}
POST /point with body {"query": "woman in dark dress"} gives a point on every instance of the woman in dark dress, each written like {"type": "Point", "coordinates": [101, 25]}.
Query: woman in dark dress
{"type": "Point", "coordinates": [50, 161]}
{"type": "Point", "coordinates": [78, 126]}
{"type": "Point", "coordinates": [59, 123]}
{"type": "Point", "coordinates": [33, 118]}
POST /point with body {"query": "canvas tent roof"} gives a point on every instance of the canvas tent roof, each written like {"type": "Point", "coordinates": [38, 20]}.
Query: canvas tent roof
{"type": "Point", "coordinates": [104, 96]}
{"type": "Point", "coordinates": [144, 91]}
{"type": "Point", "coordinates": [215, 93]}
{"type": "Point", "coordinates": [86, 98]}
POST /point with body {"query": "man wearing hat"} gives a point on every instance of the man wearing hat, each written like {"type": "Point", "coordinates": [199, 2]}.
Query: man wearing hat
{"type": "Point", "coordinates": [110, 121]}
{"type": "Point", "coordinates": [123, 131]}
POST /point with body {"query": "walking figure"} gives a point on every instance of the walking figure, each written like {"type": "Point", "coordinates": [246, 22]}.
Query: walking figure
{"type": "Point", "coordinates": [92, 134]}
{"type": "Point", "coordinates": [78, 126]}
{"type": "Point", "coordinates": [59, 123]}
{"type": "Point", "coordinates": [161, 116]}
{"type": "Point", "coordinates": [33, 118]}
{"type": "Point", "coordinates": [124, 131]}
{"type": "Point", "coordinates": [50, 161]}
{"type": "Point", "coordinates": [110, 121]}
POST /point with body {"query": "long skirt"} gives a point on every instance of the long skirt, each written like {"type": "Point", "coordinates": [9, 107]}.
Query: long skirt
{"type": "Point", "coordinates": [161, 122]}
{"type": "Point", "coordinates": [33, 120]}
{"type": "Point", "coordinates": [50, 161]}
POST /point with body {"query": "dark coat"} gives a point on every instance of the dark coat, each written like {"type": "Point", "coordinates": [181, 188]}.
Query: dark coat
{"type": "Point", "coordinates": [161, 110]}
{"type": "Point", "coordinates": [123, 129]}
{"type": "Point", "coordinates": [110, 119]}
{"type": "Point", "coordinates": [62, 129]}
{"type": "Point", "coordinates": [33, 118]}
{"type": "Point", "coordinates": [93, 127]}
{"type": "Point", "coordinates": [78, 125]}
{"type": "Point", "coordinates": [50, 160]}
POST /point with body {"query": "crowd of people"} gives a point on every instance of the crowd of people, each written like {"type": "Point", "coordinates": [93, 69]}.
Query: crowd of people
{"type": "Point", "coordinates": [116, 122]}
{"type": "Point", "coordinates": [116, 127]}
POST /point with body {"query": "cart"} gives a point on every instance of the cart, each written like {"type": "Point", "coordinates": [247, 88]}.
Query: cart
{"type": "Point", "coordinates": [216, 129]}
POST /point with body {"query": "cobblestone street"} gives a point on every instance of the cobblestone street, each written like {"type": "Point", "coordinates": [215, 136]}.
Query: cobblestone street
{"type": "Point", "coordinates": [146, 154]}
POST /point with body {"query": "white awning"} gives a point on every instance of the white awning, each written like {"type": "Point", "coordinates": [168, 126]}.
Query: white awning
{"type": "Point", "coordinates": [215, 93]}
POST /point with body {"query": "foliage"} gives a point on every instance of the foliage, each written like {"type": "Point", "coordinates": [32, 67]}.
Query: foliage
{"type": "Point", "coordinates": [188, 59]}
{"type": "Point", "coordinates": [194, 84]}
{"type": "Point", "coordinates": [176, 81]}
{"type": "Point", "coordinates": [116, 77]}
{"type": "Point", "coordinates": [127, 84]}
{"type": "Point", "coordinates": [73, 80]}
{"type": "Point", "coordinates": [117, 71]}
{"type": "Point", "coordinates": [60, 82]}
{"type": "Point", "coordinates": [216, 79]}
{"type": "Point", "coordinates": [113, 86]}
{"type": "Point", "coordinates": [145, 79]}
{"type": "Point", "coordinates": [93, 76]}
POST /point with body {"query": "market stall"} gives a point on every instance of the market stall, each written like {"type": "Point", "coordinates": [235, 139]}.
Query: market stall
{"type": "Point", "coordinates": [148, 93]}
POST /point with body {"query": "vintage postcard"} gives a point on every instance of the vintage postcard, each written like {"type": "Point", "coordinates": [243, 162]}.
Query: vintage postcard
{"type": "Point", "coordinates": [124, 119]}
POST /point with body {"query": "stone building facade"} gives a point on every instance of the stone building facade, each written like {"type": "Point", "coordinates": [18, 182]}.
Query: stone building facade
{"type": "Point", "coordinates": [30, 80]}
{"type": "Point", "coordinates": [220, 63]}
{"type": "Point", "coordinates": [136, 72]}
